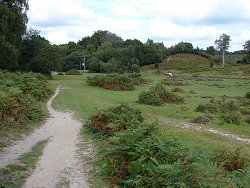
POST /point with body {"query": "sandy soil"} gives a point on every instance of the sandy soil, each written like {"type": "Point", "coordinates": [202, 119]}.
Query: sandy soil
{"type": "Point", "coordinates": [59, 159]}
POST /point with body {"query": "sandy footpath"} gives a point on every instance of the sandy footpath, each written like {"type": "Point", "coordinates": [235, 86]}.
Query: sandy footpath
{"type": "Point", "coordinates": [59, 159]}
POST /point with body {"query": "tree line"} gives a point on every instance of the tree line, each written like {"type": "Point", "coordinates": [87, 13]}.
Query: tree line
{"type": "Point", "coordinates": [103, 51]}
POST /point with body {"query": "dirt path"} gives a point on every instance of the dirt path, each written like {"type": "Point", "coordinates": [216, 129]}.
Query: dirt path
{"type": "Point", "coordinates": [59, 159]}
{"type": "Point", "coordinates": [186, 125]}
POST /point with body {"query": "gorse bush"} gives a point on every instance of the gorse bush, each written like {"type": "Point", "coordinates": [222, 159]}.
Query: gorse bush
{"type": "Point", "coordinates": [158, 95]}
{"type": "Point", "coordinates": [116, 81]}
{"type": "Point", "coordinates": [140, 156]}
{"type": "Point", "coordinates": [19, 99]}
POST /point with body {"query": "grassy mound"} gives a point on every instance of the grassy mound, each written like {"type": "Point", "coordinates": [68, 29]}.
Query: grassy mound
{"type": "Point", "coordinates": [183, 62]}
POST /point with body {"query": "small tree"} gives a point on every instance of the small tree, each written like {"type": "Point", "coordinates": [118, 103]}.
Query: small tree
{"type": "Point", "coordinates": [222, 45]}
{"type": "Point", "coordinates": [246, 47]}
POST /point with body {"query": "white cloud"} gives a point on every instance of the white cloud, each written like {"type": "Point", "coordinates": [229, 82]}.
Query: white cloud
{"type": "Point", "coordinates": [196, 21]}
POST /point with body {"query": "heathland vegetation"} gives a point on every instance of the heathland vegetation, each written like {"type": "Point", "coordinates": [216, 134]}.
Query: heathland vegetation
{"type": "Point", "coordinates": [143, 123]}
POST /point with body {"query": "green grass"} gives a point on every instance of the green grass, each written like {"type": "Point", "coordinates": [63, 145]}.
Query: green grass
{"type": "Point", "coordinates": [86, 100]}
{"type": "Point", "coordinates": [14, 175]}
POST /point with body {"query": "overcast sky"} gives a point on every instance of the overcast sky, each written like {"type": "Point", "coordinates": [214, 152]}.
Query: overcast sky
{"type": "Point", "coordinates": [170, 21]}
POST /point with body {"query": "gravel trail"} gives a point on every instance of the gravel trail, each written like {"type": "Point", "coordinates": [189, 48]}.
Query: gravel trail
{"type": "Point", "coordinates": [59, 159]}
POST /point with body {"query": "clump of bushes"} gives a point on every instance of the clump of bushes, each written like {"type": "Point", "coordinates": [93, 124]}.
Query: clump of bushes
{"type": "Point", "coordinates": [34, 84]}
{"type": "Point", "coordinates": [177, 89]}
{"type": "Point", "coordinates": [115, 119]}
{"type": "Point", "coordinates": [221, 106]}
{"type": "Point", "coordinates": [20, 94]}
{"type": "Point", "coordinates": [228, 110]}
{"type": "Point", "coordinates": [140, 156]}
{"type": "Point", "coordinates": [247, 95]}
{"type": "Point", "coordinates": [73, 72]}
{"type": "Point", "coordinates": [173, 83]}
{"type": "Point", "coordinates": [137, 79]}
{"type": "Point", "coordinates": [158, 95]}
{"type": "Point", "coordinates": [122, 82]}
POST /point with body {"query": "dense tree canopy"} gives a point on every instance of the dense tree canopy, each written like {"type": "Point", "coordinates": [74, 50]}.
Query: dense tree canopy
{"type": "Point", "coordinates": [13, 21]}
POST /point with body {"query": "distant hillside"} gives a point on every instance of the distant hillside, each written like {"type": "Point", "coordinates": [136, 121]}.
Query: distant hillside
{"type": "Point", "coordinates": [190, 63]}
{"type": "Point", "coordinates": [183, 62]}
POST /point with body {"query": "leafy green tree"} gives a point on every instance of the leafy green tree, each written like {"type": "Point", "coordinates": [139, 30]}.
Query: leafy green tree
{"type": "Point", "coordinates": [8, 56]}
{"type": "Point", "coordinates": [246, 48]}
{"type": "Point", "coordinates": [210, 50]}
{"type": "Point", "coordinates": [31, 45]}
{"type": "Point", "coordinates": [13, 21]}
{"type": "Point", "coordinates": [151, 55]}
{"type": "Point", "coordinates": [48, 59]}
{"type": "Point", "coordinates": [74, 61]}
{"type": "Point", "coordinates": [95, 64]}
{"type": "Point", "coordinates": [222, 45]}
{"type": "Point", "coordinates": [105, 52]}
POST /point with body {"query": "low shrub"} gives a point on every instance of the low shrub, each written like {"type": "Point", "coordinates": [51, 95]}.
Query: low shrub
{"type": "Point", "coordinates": [247, 95]}
{"type": "Point", "coordinates": [232, 118]}
{"type": "Point", "coordinates": [18, 109]}
{"type": "Point", "coordinates": [150, 98]}
{"type": "Point", "coordinates": [220, 106]}
{"type": "Point", "coordinates": [20, 96]}
{"type": "Point", "coordinates": [115, 119]}
{"type": "Point", "coordinates": [122, 82]}
{"type": "Point", "coordinates": [173, 83]}
{"type": "Point", "coordinates": [177, 89]}
{"type": "Point", "coordinates": [157, 95]}
{"type": "Point", "coordinates": [137, 79]}
{"type": "Point", "coordinates": [34, 84]}
{"type": "Point", "coordinates": [73, 72]}
{"type": "Point", "coordinates": [140, 156]}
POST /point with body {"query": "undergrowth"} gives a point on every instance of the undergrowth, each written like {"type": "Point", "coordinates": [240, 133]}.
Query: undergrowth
{"type": "Point", "coordinates": [140, 156]}
{"type": "Point", "coordinates": [122, 82]}
{"type": "Point", "coordinates": [228, 110]}
{"type": "Point", "coordinates": [158, 95]}
{"type": "Point", "coordinates": [20, 102]}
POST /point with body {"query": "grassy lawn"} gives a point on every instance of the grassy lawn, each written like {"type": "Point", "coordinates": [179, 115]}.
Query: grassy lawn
{"type": "Point", "coordinates": [86, 100]}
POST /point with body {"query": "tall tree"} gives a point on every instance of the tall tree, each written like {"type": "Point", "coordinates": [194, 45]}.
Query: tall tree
{"type": "Point", "coordinates": [222, 45]}
{"type": "Point", "coordinates": [13, 20]}
{"type": "Point", "coordinates": [30, 47]}
{"type": "Point", "coordinates": [246, 47]}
